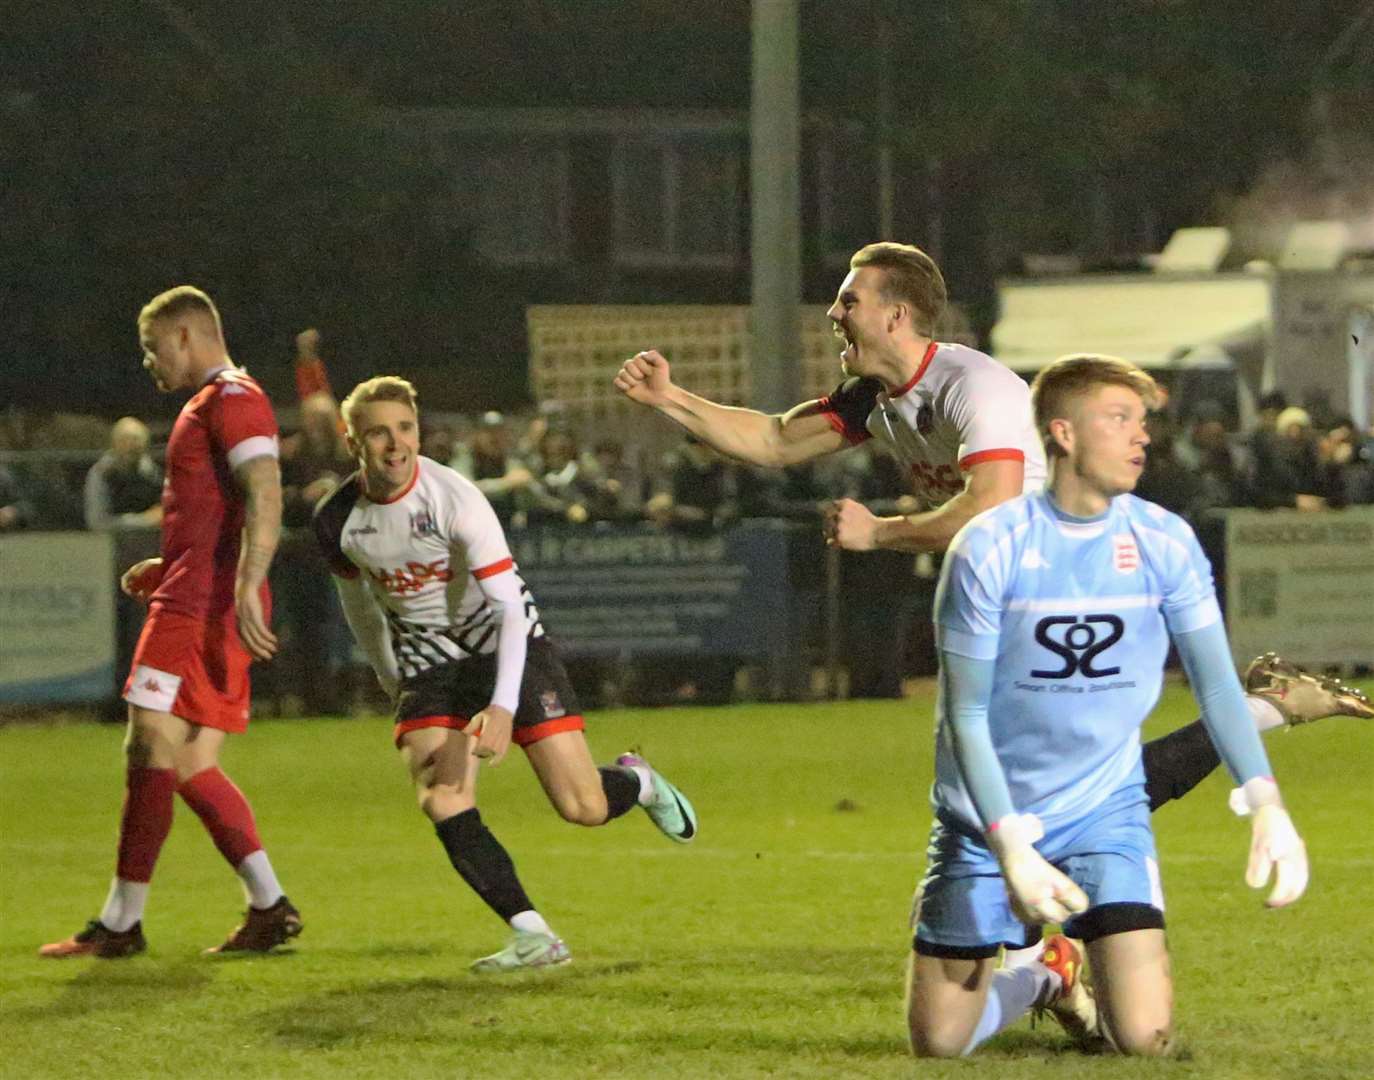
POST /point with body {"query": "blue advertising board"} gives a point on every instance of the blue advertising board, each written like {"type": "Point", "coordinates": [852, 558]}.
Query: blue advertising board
{"type": "Point", "coordinates": [57, 618]}
{"type": "Point", "coordinates": [751, 591]}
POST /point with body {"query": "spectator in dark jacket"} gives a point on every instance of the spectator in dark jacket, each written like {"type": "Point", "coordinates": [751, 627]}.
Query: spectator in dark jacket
{"type": "Point", "coordinates": [124, 488]}
{"type": "Point", "coordinates": [1287, 468]}
{"type": "Point", "coordinates": [1219, 466]}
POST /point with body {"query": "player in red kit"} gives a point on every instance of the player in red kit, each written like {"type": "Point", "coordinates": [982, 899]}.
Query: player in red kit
{"type": "Point", "coordinates": [208, 618]}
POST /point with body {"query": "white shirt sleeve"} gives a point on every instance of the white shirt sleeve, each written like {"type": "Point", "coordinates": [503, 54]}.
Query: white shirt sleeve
{"type": "Point", "coordinates": [471, 525]}
{"type": "Point", "coordinates": [366, 619]}
{"type": "Point", "coordinates": [991, 408]}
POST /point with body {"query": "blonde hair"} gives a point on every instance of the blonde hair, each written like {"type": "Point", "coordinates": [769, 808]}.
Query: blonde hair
{"type": "Point", "coordinates": [1294, 414]}
{"type": "Point", "coordinates": [1071, 377]}
{"type": "Point", "coordinates": [909, 274]}
{"type": "Point", "coordinates": [176, 302]}
{"type": "Point", "coordinates": [130, 425]}
{"type": "Point", "coordinates": [380, 388]}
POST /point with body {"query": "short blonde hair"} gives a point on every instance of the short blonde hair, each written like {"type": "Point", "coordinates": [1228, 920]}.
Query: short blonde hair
{"type": "Point", "coordinates": [1071, 377]}
{"type": "Point", "coordinates": [131, 425]}
{"type": "Point", "coordinates": [380, 388]}
{"type": "Point", "coordinates": [1294, 414]}
{"type": "Point", "coordinates": [178, 301]}
{"type": "Point", "coordinates": [910, 275]}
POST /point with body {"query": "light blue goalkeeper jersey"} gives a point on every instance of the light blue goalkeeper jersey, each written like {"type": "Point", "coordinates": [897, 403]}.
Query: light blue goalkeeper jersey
{"type": "Point", "coordinates": [1076, 616]}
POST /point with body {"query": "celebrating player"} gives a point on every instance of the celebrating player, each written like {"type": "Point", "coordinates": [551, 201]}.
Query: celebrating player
{"type": "Point", "coordinates": [208, 612]}
{"type": "Point", "coordinates": [435, 600]}
{"type": "Point", "coordinates": [961, 422]}
{"type": "Point", "coordinates": [1053, 619]}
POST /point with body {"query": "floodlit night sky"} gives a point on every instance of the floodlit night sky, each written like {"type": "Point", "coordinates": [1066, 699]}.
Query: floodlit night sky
{"type": "Point", "coordinates": [244, 147]}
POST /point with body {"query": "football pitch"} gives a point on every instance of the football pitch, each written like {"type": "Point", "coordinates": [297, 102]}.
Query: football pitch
{"type": "Point", "coordinates": [772, 946]}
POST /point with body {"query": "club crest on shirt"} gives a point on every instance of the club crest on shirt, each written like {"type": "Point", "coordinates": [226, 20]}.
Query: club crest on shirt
{"type": "Point", "coordinates": [1125, 555]}
{"type": "Point", "coordinates": [422, 524]}
{"type": "Point", "coordinates": [552, 705]}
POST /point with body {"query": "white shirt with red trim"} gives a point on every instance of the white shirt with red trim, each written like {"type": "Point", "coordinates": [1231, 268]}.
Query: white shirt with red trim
{"type": "Point", "coordinates": [436, 562]}
{"type": "Point", "coordinates": [227, 422]}
{"type": "Point", "coordinates": [961, 407]}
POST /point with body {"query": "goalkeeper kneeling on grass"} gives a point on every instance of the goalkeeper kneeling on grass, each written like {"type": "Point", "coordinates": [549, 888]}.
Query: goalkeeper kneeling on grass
{"type": "Point", "coordinates": [1053, 619]}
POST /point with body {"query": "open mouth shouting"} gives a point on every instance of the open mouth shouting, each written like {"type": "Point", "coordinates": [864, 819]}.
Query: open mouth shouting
{"type": "Point", "coordinates": [851, 349]}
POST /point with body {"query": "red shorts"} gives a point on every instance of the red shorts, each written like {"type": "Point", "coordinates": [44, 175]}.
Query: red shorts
{"type": "Point", "coordinates": [193, 668]}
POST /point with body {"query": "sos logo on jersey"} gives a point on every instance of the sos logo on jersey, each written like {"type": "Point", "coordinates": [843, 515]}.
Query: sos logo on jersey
{"type": "Point", "coordinates": [1079, 642]}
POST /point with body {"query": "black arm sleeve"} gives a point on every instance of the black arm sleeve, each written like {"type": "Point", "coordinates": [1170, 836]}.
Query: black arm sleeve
{"type": "Point", "coordinates": [849, 405]}
{"type": "Point", "coordinates": [329, 520]}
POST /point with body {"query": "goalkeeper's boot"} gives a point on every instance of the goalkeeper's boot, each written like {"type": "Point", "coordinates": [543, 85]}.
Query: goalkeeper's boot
{"type": "Point", "coordinates": [263, 929]}
{"type": "Point", "coordinates": [526, 949]}
{"type": "Point", "coordinates": [1074, 1006]}
{"type": "Point", "coordinates": [668, 807]}
{"type": "Point", "coordinates": [1300, 696]}
{"type": "Point", "coordinates": [98, 940]}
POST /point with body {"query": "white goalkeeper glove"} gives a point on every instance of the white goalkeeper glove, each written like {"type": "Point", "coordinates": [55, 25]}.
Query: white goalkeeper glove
{"type": "Point", "coordinates": [1039, 893]}
{"type": "Point", "coordinates": [1275, 846]}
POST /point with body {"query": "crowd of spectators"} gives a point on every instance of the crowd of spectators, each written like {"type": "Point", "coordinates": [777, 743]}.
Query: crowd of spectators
{"type": "Point", "coordinates": [72, 472]}
{"type": "Point", "coordinates": [1303, 458]}
{"type": "Point", "coordinates": [1294, 457]}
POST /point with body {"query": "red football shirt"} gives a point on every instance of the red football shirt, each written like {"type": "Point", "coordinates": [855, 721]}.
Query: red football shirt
{"type": "Point", "coordinates": [228, 421]}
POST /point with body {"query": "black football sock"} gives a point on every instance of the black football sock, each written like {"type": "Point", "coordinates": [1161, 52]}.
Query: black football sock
{"type": "Point", "coordinates": [622, 790]}
{"type": "Point", "coordinates": [1177, 763]}
{"type": "Point", "coordinates": [482, 862]}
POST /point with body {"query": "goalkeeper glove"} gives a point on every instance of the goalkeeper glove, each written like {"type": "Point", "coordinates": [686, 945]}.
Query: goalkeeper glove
{"type": "Point", "coordinates": [1039, 893]}
{"type": "Point", "coordinates": [1275, 846]}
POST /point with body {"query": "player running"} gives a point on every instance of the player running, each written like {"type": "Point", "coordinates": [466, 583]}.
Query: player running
{"type": "Point", "coordinates": [1054, 615]}
{"type": "Point", "coordinates": [436, 602]}
{"type": "Point", "coordinates": [208, 618]}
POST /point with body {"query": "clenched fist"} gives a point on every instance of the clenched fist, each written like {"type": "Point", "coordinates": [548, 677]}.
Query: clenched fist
{"type": "Point", "coordinates": [850, 525]}
{"type": "Point", "coordinates": [645, 378]}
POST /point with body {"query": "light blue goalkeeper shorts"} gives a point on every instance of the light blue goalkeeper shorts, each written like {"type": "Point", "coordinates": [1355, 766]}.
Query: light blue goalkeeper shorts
{"type": "Point", "coordinates": [962, 903]}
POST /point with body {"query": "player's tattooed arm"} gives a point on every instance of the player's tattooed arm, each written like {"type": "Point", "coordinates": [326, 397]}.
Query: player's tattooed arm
{"type": "Point", "coordinates": [260, 479]}
{"type": "Point", "coordinates": [746, 435]}
{"type": "Point", "coordinates": [851, 526]}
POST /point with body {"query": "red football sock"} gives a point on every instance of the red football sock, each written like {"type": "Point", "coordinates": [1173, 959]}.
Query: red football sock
{"type": "Point", "coordinates": [224, 812]}
{"type": "Point", "coordinates": [146, 821]}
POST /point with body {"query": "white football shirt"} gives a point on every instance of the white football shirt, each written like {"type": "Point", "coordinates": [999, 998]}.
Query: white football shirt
{"type": "Point", "coordinates": [960, 408]}
{"type": "Point", "coordinates": [435, 560]}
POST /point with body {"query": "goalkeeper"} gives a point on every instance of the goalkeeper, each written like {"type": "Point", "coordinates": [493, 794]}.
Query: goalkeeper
{"type": "Point", "coordinates": [1053, 619]}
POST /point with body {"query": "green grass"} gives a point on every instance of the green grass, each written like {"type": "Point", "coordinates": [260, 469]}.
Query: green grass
{"type": "Point", "coordinates": [773, 946]}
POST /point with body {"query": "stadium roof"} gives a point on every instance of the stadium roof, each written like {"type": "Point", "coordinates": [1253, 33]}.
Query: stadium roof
{"type": "Point", "coordinates": [1153, 321]}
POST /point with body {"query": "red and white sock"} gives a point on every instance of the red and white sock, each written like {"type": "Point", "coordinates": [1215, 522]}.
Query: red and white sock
{"type": "Point", "coordinates": [228, 819]}
{"type": "Point", "coordinates": [260, 882]}
{"type": "Point", "coordinates": [124, 906]}
{"type": "Point", "coordinates": [143, 827]}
